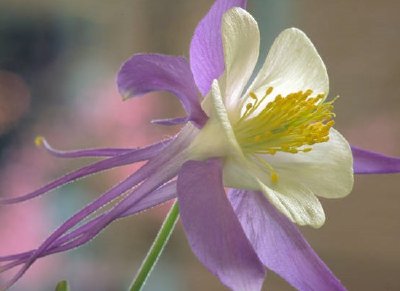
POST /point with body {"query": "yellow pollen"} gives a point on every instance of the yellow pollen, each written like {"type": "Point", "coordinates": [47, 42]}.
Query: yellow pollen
{"type": "Point", "coordinates": [274, 177]}
{"type": "Point", "coordinates": [290, 123]}
{"type": "Point", "coordinates": [265, 165]}
{"type": "Point", "coordinates": [39, 140]}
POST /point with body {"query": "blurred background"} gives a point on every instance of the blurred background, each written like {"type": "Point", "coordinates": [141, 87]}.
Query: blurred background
{"type": "Point", "coordinates": [58, 61]}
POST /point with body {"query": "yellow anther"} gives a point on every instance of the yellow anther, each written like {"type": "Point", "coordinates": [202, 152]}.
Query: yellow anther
{"type": "Point", "coordinates": [274, 177]}
{"type": "Point", "coordinates": [253, 95]}
{"type": "Point", "coordinates": [330, 123]}
{"type": "Point", "coordinates": [308, 92]}
{"type": "Point", "coordinates": [39, 140]}
{"type": "Point", "coordinates": [286, 124]}
{"type": "Point", "coordinates": [269, 90]}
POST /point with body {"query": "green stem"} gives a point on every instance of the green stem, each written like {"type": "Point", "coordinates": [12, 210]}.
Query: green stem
{"type": "Point", "coordinates": [156, 249]}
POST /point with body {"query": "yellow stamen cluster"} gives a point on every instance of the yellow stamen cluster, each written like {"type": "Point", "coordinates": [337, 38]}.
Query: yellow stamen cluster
{"type": "Point", "coordinates": [288, 124]}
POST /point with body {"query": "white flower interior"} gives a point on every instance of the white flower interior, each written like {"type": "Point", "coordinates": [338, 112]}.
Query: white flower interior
{"type": "Point", "coordinates": [278, 137]}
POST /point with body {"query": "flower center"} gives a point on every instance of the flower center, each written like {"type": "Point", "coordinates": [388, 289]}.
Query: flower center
{"type": "Point", "coordinates": [289, 124]}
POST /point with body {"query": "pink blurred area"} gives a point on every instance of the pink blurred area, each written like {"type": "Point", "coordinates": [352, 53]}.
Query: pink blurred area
{"type": "Point", "coordinates": [100, 118]}
{"type": "Point", "coordinates": [23, 227]}
{"type": "Point", "coordinates": [96, 118]}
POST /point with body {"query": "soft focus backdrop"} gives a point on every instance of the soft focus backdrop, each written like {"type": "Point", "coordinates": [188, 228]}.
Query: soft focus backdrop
{"type": "Point", "coordinates": [58, 61]}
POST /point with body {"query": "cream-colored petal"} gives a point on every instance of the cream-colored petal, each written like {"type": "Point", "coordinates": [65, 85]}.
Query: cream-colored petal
{"type": "Point", "coordinates": [327, 170]}
{"type": "Point", "coordinates": [240, 173]}
{"type": "Point", "coordinates": [241, 42]}
{"type": "Point", "coordinates": [292, 65]}
{"type": "Point", "coordinates": [299, 204]}
{"type": "Point", "coordinates": [216, 138]}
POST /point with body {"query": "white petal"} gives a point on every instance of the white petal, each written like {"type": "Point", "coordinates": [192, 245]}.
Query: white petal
{"type": "Point", "coordinates": [240, 173]}
{"type": "Point", "coordinates": [299, 204]}
{"type": "Point", "coordinates": [295, 201]}
{"type": "Point", "coordinates": [327, 170]}
{"type": "Point", "coordinates": [241, 42]}
{"type": "Point", "coordinates": [292, 65]}
{"type": "Point", "coordinates": [216, 138]}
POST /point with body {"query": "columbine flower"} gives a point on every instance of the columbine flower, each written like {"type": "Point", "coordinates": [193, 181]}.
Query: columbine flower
{"type": "Point", "coordinates": [272, 144]}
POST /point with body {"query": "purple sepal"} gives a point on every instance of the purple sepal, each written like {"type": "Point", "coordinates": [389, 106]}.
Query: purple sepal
{"type": "Point", "coordinates": [81, 234]}
{"type": "Point", "coordinates": [148, 178]}
{"type": "Point", "coordinates": [161, 195]}
{"type": "Point", "coordinates": [212, 228]}
{"type": "Point", "coordinates": [367, 162]}
{"type": "Point", "coordinates": [206, 52]}
{"type": "Point", "coordinates": [130, 157]}
{"type": "Point", "coordinates": [84, 153]}
{"type": "Point", "coordinates": [75, 219]}
{"type": "Point", "coordinates": [280, 245]}
{"type": "Point", "coordinates": [144, 73]}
